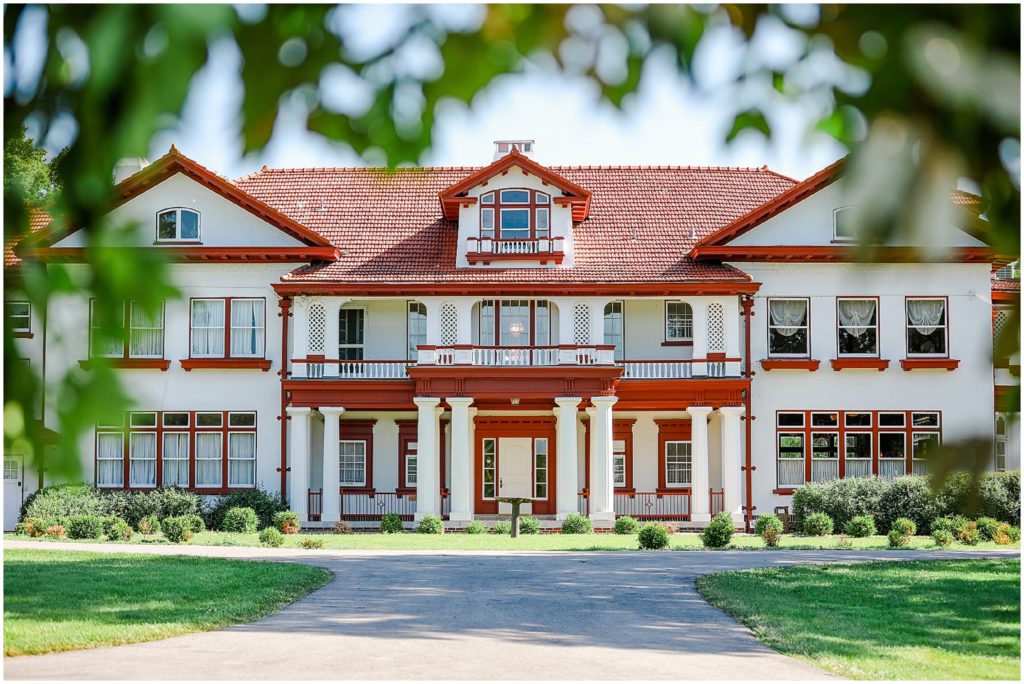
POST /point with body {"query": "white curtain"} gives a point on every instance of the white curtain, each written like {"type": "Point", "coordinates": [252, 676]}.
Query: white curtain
{"type": "Point", "coordinates": [208, 459]}
{"type": "Point", "coordinates": [208, 327]}
{"type": "Point", "coordinates": [788, 316]}
{"type": "Point", "coordinates": [855, 315]}
{"type": "Point", "coordinates": [147, 332]}
{"type": "Point", "coordinates": [110, 460]}
{"type": "Point", "coordinates": [247, 327]}
{"type": "Point", "coordinates": [925, 314]}
{"type": "Point", "coordinates": [143, 459]}
{"type": "Point", "coordinates": [241, 459]}
{"type": "Point", "coordinates": [175, 456]}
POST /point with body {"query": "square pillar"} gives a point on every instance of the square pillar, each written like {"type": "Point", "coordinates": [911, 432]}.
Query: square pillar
{"type": "Point", "coordinates": [428, 489]}
{"type": "Point", "coordinates": [298, 488]}
{"type": "Point", "coordinates": [462, 470]}
{"type": "Point", "coordinates": [330, 504]}
{"type": "Point", "coordinates": [731, 459]}
{"type": "Point", "coordinates": [700, 489]}
{"type": "Point", "coordinates": [566, 456]}
{"type": "Point", "coordinates": [602, 481]}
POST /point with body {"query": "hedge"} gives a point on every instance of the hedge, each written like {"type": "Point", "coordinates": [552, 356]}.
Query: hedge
{"type": "Point", "coordinates": [79, 499]}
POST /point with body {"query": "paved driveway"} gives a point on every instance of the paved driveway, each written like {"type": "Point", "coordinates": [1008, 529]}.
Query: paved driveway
{"type": "Point", "coordinates": [470, 616]}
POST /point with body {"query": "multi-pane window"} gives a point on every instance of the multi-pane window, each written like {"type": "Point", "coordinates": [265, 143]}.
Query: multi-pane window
{"type": "Point", "coordinates": [411, 459]}
{"type": "Point", "coordinates": [824, 456]}
{"type": "Point", "coordinates": [351, 334]}
{"type": "Point", "coordinates": [352, 463]}
{"type": "Point", "coordinates": [416, 328]}
{"type": "Point", "coordinates": [488, 474]}
{"type": "Point", "coordinates": [142, 455]}
{"type": "Point", "coordinates": [209, 450]}
{"type": "Point", "coordinates": [175, 459]}
{"type": "Point", "coordinates": [540, 468]}
{"type": "Point", "coordinates": [19, 316]}
{"type": "Point", "coordinates": [678, 322]}
{"type": "Point", "coordinates": [1002, 441]}
{"type": "Point", "coordinates": [791, 459]}
{"type": "Point", "coordinates": [515, 214]}
{"type": "Point", "coordinates": [175, 225]}
{"type": "Point", "coordinates": [677, 464]}
{"type": "Point", "coordinates": [788, 327]}
{"type": "Point", "coordinates": [144, 333]}
{"type": "Point", "coordinates": [858, 440]}
{"type": "Point", "coordinates": [514, 323]}
{"type": "Point", "coordinates": [857, 327]}
{"type": "Point", "coordinates": [243, 338]}
{"type": "Point", "coordinates": [109, 459]}
{"type": "Point", "coordinates": [619, 462]}
{"type": "Point", "coordinates": [241, 449]}
{"type": "Point", "coordinates": [613, 327]}
{"type": "Point", "coordinates": [926, 327]}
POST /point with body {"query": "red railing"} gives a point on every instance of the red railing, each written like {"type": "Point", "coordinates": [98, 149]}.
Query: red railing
{"type": "Point", "coordinates": [717, 501]}
{"type": "Point", "coordinates": [314, 503]}
{"type": "Point", "coordinates": [654, 505]}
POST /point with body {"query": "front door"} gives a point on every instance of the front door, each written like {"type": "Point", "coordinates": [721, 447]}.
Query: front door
{"type": "Point", "coordinates": [515, 471]}
{"type": "Point", "coordinates": [12, 490]}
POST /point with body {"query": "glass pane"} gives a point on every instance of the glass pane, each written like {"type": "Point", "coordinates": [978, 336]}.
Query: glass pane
{"type": "Point", "coordinates": [920, 343]}
{"type": "Point", "coordinates": [351, 326]}
{"type": "Point", "coordinates": [793, 344]}
{"type": "Point", "coordinates": [487, 199]}
{"type": "Point", "coordinates": [189, 225]}
{"type": "Point", "coordinates": [167, 225]}
{"type": "Point", "coordinates": [791, 419]}
{"type": "Point", "coordinates": [857, 419]}
{"type": "Point", "coordinates": [143, 420]}
{"type": "Point", "coordinates": [824, 419]}
{"type": "Point", "coordinates": [209, 419]}
{"type": "Point", "coordinates": [866, 343]}
{"type": "Point", "coordinates": [892, 419]}
{"type": "Point", "coordinates": [925, 444]}
{"type": "Point", "coordinates": [242, 419]}
{"type": "Point", "coordinates": [515, 223]}
{"type": "Point", "coordinates": [176, 419]}
{"type": "Point", "coordinates": [858, 445]}
{"type": "Point", "coordinates": [891, 445]}
{"type": "Point", "coordinates": [926, 419]}
{"type": "Point", "coordinates": [825, 445]}
{"type": "Point", "coordinates": [515, 196]}
{"type": "Point", "coordinates": [845, 227]}
{"type": "Point", "coordinates": [678, 321]}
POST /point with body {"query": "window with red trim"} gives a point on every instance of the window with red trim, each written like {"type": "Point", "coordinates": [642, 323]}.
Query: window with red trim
{"type": "Point", "coordinates": [515, 214]}
{"type": "Point", "coordinates": [135, 331]}
{"type": "Point", "coordinates": [228, 328]}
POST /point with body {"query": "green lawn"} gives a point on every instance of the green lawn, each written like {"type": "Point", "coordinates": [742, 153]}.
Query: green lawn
{"type": "Point", "coordinates": [61, 601]}
{"type": "Point", "coordinates": [540, 542]}
{"type": "Point", "coordinates": [905, 620]}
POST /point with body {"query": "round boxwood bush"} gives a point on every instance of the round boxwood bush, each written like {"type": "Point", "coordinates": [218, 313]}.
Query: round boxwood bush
{"type": "Point", "coordinates": [1007, 534]}
{"type": "Point", "coordinates": [861, 526]}
{"type": "Point", "coordinates": [897, 540]}
{"type": "Point", "coordinates": [529, 525]}
{"type": "Point", "coordinates": [626, 525]}
{"type": "Point", "coordinates": [475, 527]}
{"type": "Point", "coordinates": [502, 527]}
{"type": "Point", "coordinates": [817, 525]}
{"type": "Point", "coordinates": [653, 536]}
{"type": "Point", "coordinates": [195, 523]}
{"type": "Point", "coordinates": [970, 534]}
{"type": "Point", "coordinates": [942, 537]}
{"type": "Point", "coordinates": [118, 530]}
{"type": "Point", "coordinates": [718, 533]}
{"type": "Point", "coordinates": [954, 524]}
{"type": "Point", "coordinates": [85, 527]}
{"type": "Point", "coordinates": [287, 522]}
{"type": "Point", "coordinates": [270, 536]}
{"type": "Point", "coordinates": [904, 526]}
{"type": "Point", "coordinates": [241, 519]}
{"type": "Point", "coordinates": [391, 523]}
{"type": "Point", "coordinates": [176, 529]}
{"type": "Point", "coordinates": [63, 501]}
{"type": "Point", "coordinates": [430, 524]}
{"type": "Point", "coordinates": [575, 523]}
{"type": "Point", "coordinates": [264, 503]}
{"type": "Point", "coordinates": [312, 543]}
{"type": "Point", "coordinates": [148, 525]}
{"type": "Point", "coordinates": [769, 528]}
{"type": "Point", "coordinates": [987, 528]}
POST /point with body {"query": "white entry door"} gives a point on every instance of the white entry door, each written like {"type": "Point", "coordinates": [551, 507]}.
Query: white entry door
{"type": "Point", "coordinates": [13, 488]}
{"type": "Point", "coordinates": [515, 471]}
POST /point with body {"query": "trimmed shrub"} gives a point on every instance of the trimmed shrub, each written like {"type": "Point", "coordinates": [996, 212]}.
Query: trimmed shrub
{"type": "Point", "coordinates": [148, 525]}
{"type": "Point", "coordinates": [999, 494]}
{"type": "Point", "coordinates": [176, 529]}
{"type": "Point", "coordinates": [529, 525]}
{"type": "Point", "coordinates": [195, 522]}
{"type": "Point", "coordinates": [942, 537]}
{"type": "Point", "coordinates": [287, 522]}
{"type": "Point", "coordinates": [652, 536]}
{"type": "Point", "coordinates": [312, 543]}
{"type": "Point", "coordinates": [63, 501]}
{"type": "Point", "coordinates": [85, 527]}
{"type": "Point", "coordinates": [164, 502]}
{"type": "Point", "coordinates": [118, 529]}
{"type": "Point", "coordinates": [844, 543]}
{"type": "Point", "coordinates": [904, 526]}
{"type": "Point", "coordinates": [719, 532]}
{"type": "Point", "coordinates": [264, 503]}
{"type": "Point", "coordinates": [575, 523]}
{"type": "Point", "coordinates": [817, 525]}
{"type": "Point", "coordinates": [475, 527]}
{"type": "Point", "coordinates": [1013, 532]}
{"type": "Point", "coordinates": [341, 527]}
{"type": "Point", "coordinates": [768, 527]}
{"type": "Point", "coordinates": [897, 540]}
{"type": "Point", "coordinates": [502, 527]}
{"type": "Point", "coordinates": [626, 525]}
{"type": "Point", "coordinates": [841, 500]}
{"type": "Point", "coordinates": [908, 497]}
{"type": "Point", "coordinates": [56, 531]}
{"type": "Point", "coordinates": [430, 524]}
{"type": "Point", "coordinates": [241, 519]}
{"type": "Point", "coordinates": [970, 534]}
{"type": "Point", "coordinates": [22, 529]}
{"type": "Point", "coordinates": [988, 527]}
{"type": "Point", "coordinates": [861, 526]}
{"type": "Point", "coordinates": [270, 536]}
{"type": "Point", "coordinates": [391, 523]}
{"type": "Point", "coordinates": [954, 524]}
{"type": "Point", "coordinates": [35, 527]}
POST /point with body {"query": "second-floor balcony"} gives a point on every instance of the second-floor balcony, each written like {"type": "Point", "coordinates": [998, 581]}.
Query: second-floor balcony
{"type": "Point", "coordinates": [542, 249]}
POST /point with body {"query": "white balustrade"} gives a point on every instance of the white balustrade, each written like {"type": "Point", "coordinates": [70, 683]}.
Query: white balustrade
{"type": "Point", "coordinates": [652, 370]}
{"type": "Point", "coordinates": [351, 370]}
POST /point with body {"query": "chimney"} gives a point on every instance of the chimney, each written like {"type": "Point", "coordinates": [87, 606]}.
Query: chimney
{"type": "Point", "coordinates": [505, 147]}
{"type": "Point", "coordinates": [128, 167]}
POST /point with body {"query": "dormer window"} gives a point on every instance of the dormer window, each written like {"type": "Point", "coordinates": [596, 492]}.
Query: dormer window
{"type": "Point", "coordinates": [843, 226]}
{"type": "Point", "coordinates": [515, 214]}
{"type": "Point", "coordinates": [177, 225]}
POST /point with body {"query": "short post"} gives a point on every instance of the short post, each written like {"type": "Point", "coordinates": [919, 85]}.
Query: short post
{"type": "Point", "coordinates": [515, 502]}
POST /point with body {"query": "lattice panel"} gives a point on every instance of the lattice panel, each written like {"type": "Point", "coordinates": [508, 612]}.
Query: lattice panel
{"type": "Point", "coordinates": [449, 324]}
{"type": "Point", "coordinates": [317, 328]}
{"type": "Point", "coordinates": [999, 324]}
{"type": "Point", "coordinates": [716, 327]}
{"type": "Point", "coordinates": [581, 324]}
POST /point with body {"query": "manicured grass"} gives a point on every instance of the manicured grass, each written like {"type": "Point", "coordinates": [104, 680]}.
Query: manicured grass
{"type": "Point", "coordinates": [61, 601]}
{"type": "Point", "coordinates": [900, 620]}
{"type": "Point", "coordinates": [543, 542]}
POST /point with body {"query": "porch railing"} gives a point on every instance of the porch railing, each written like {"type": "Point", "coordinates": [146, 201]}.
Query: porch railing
{"type": "Point", "coordinates": [680, 369]}
{"type": "Point", "coordinates": [372, 507]}
{"type": "Point", "coordinates": [654, 505]}
{"type": "Point", "coordinates": [314, 503]}
{"type": "Point", "coordinates": [337, 369]}
{"type": "Point", "coordinates": [717, 501]}
{"type": "Point", "coordinates": [479, 247]}
{"type": "Point", "coordinates": [506, 356]}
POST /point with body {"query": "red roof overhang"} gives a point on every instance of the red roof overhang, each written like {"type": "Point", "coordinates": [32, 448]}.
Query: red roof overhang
{"type": "Point", "coordinates": [648, 289]}
{"type": "Point", "coordinates": [841, 253]}
{"type": "Point", "coordinates": [574, 196]}
{"type": "Point", "coordinates": [193, 254]}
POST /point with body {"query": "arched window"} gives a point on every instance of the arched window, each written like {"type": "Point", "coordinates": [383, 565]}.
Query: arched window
{"type": "Point", "coordinates": [515, 214]}
{"type": "Point", "coordinates": [416, 328]}
{"type": "Point", "coordinates": [844, 228]}
{"type": "Point", "coordinates": [177, 225]}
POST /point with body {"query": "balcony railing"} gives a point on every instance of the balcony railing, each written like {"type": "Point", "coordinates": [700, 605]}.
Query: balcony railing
{"type": "Point", "coordinates": [488, 249]}
{"type": "Point", "coordinates": [372, 507]}
{"type": "Point", "coordinates": [350, 370]}
{"type": "Point", "coordinates": [558, 355]}
{"type": "Point", "coordinates": [681, 369]}
{"type": "Point", "coordinates": [654, 505]}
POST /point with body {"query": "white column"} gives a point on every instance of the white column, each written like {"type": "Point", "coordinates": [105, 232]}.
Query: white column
{"type": "Point", "coordinates": [462, 472]}
{"type": "Point", "coordinates": [299, 458]}
{"type": "Point", "coordinates": [465, 332]}
{"type": "Point", "coordinates": [332, 306]}
{"type": "Point", "coordinates": [331, 502]}
{"type": "Point", "coordinates": [602, 481]}
{"type": "Point", "coordinates": [700, 491]}
{"type": "Point", "coordinates": [566, 456]}
{"type": "Point", "coordinates": [597, 320]}
{"type": "Point", "coordinates": [299, 327]}
{"type": "Point", "coordinates": [731, 460]}
{"type": "Point", "coordinates": [428, 490]}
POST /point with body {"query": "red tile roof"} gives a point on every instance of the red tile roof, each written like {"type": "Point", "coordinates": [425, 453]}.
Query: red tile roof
{"type": "Point", "coordinates": [37, 220]}
{"type": "Point", "coordinates": [643, 222]}
{"type": "Point", "coordinates": [1005, 285]}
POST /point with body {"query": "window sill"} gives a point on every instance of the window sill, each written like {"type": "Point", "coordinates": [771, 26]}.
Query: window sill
{"type": "Point", "coordinates": [677, 343]}
{"type": "Point", "coordinates": [177, 242]}
{"type": "Point", "coordinates": [790, 364]}
{"type": "Point", "coordinates": [784, 491]}
{"type": "Point", "coordinates": [23, 335]}
{"type": "Point", "coordinates": [152, 364]}
{"type": "Point", "coordinates": [862, 363]}
{"type": "Point", "coordinates": [254, 364]}
{"type": "Point", "coordinates": [930, 364]}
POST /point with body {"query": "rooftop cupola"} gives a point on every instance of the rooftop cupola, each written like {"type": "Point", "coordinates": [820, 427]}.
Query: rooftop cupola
{"type": "Point", "coordinates": [505, 147]}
